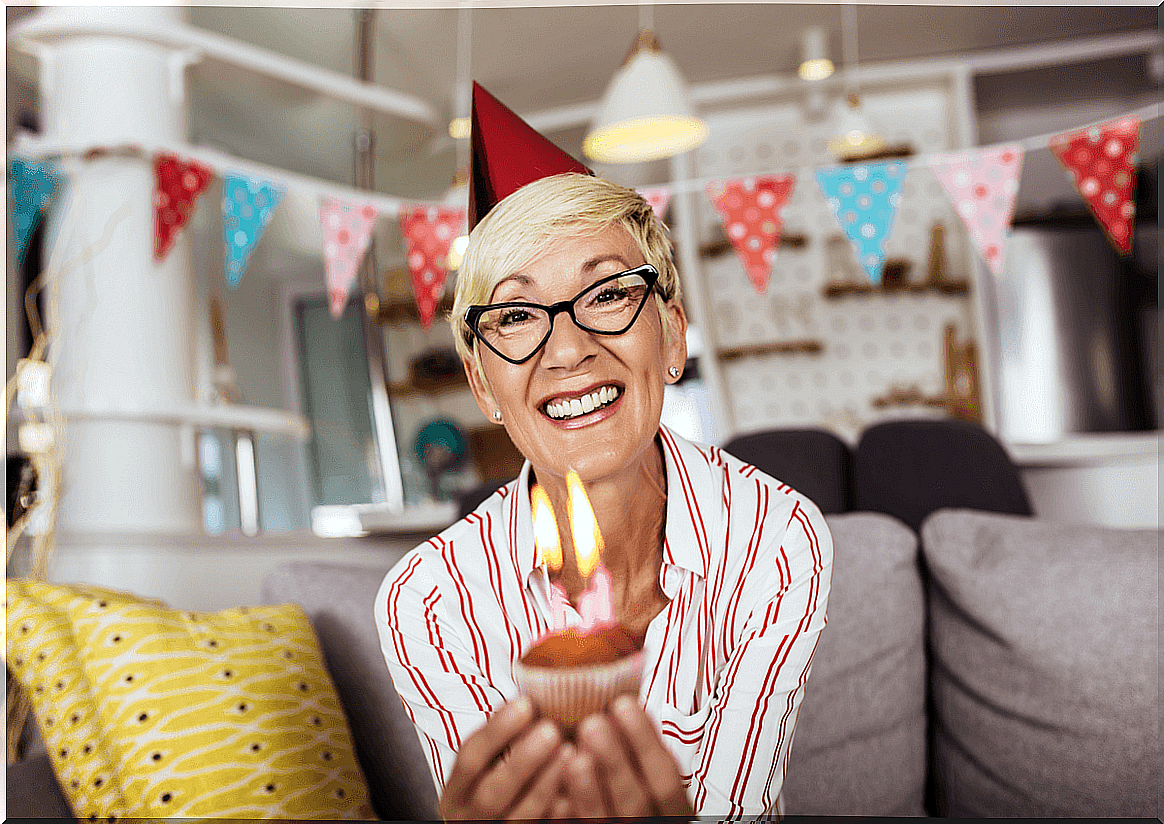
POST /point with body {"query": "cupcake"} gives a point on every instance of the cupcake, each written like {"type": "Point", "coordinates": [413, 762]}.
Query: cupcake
{"type": "Point", "coordinates": [572, 673]}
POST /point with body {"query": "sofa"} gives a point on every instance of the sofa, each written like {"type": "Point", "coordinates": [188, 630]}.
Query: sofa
{"type": "Point", "coordinates": [979, 664]}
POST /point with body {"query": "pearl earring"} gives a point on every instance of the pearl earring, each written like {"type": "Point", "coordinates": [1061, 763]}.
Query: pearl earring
{"type": "Point", "coordinates": [673, 371]}
{"type": "Point", "coordinates": [497, 415]}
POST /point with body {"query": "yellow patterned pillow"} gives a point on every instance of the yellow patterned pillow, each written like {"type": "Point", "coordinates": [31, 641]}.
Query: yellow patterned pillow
{"type": "Point", "coordinates": [152, 712]}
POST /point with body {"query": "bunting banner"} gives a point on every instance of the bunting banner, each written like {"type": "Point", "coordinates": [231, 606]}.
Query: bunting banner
{"type": "Point", "coordinates": [177, 185]}
{"type": "Point", "coordinates": [247, 206]}
{"type": "Point", "coordinates": [982, 186]}
{"type": "Point", "coordinates": [864, 199]}
{"type": "Point", "coordinates": [751, 210]}
{"type": "Point", "coordinates": [1101, 162]}
{"type": "Point", "coordinates": [347, 231]}
{"type": "Point", "coordinates": [660, 198]}
{"type": "Point", "coordinates": [31, 185]}
{"type": "Point", "coordinates": [429, 232]}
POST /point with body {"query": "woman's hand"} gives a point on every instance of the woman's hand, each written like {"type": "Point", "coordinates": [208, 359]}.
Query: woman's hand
{"type": "Point", "coordinates": [622, 768]}
{"type": "Point", "coordinates": [511, 768]}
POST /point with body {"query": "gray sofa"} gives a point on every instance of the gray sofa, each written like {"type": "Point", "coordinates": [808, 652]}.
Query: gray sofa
{"type": "Point", "coordinates": [999, 666]}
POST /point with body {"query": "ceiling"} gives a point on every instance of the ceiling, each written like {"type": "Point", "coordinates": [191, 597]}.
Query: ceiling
{"type": "Point", "coordinates": [544, 59]}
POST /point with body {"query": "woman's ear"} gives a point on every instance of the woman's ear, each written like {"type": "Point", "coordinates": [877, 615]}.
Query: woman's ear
{"type": "Point", "coordinates": [481, 392]}
{"type": "Point", "coordinates": [675, 335]}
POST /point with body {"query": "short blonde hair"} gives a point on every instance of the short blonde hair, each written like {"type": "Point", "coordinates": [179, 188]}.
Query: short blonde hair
{"type": "Point", "coordinates": [519, 229]}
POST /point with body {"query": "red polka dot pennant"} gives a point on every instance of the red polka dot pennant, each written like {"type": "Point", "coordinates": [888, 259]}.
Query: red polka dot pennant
{"type": "Point", "coordinates": [429, 232]}
{"type": "Point", "coordinates": [347, 231]}
{"type": "Point", "coordinates": [982, 186]}
{"type": "Point", "coordinates": [659, 197]}
{"type": "Point", "coordinates": [751, 212]}
{"type": "Point", "coordinates": [177, 185]}
{"type": "Point", "coordinates": [1101, 161]}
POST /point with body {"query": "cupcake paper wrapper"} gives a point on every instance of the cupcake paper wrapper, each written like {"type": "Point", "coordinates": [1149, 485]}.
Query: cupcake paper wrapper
{"type": "Point", "coordinates": [569, 694]}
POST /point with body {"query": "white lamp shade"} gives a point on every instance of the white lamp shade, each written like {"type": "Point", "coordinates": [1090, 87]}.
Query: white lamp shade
{"type": "Point", "coordinates": [855, 135]}
{"type": "Point", "coordinates": [645, 113]}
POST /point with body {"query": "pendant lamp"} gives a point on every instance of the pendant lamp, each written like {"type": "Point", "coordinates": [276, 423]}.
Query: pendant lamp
{"type": "Point", "coordinates": [645, 113]}
{"type": "Point", "coordinates": [856, 138]}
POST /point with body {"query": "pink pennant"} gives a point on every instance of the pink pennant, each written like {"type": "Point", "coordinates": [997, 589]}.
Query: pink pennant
{"type": "Point", "coordinates": [982, 185]}
{"type": "Point", "coordinates": [347, 231]}
{"type": "Point", "coordinates": [751, 211]}
{"type": "Point", "coordinates": [1101, 161]}
{"type": "Point", "coordinates": [177, 185]}
{"type": "Point", "coordinates": [429, 233]}
{"type": "Point", "coordinates": [660, 198]}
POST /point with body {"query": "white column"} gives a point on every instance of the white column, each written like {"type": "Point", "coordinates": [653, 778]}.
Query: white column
{"type": "Point", "coordinates": [123, 321]}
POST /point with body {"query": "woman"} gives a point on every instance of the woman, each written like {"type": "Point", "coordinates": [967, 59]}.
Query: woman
{"type": "Point", "coordinates": [725, 570]}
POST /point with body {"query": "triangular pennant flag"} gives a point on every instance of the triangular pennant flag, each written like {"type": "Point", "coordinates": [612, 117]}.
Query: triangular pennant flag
{"type": "Point", "coordinates": [864, 199]}
{"type": "Point", "coordinates": [347, 231]}
{"type": "Point", "coordinates": [660, 198]}
{"type": "Point", "coordinates": [982, 185]}
{"type": "Point", "coordinates": [429, 232]}
{"type": "Point", "coordinates": [31, 185]}
{"type": "Point", "coordinates": [750, 208]}
{"type": "Point", "coordinates": [1101, 161]}
{"type": "Point", "coordinates": [177, 185]}
{"type": "Point", "coordinates": [247, 206]}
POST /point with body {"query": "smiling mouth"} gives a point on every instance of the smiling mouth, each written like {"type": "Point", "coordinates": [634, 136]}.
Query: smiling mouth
{"type": "Point", "coordinates": [564, 410]}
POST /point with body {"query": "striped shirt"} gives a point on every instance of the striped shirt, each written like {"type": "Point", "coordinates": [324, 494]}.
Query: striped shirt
{"type": "Point", "coordinates": [746, 566]}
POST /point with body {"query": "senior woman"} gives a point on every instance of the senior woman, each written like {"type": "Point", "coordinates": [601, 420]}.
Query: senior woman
{"type": "Point", "coordinates": [568, 318]}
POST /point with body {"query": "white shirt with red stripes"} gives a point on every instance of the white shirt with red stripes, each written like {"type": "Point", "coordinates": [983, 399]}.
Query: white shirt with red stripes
{"type": "Point", "coordinates": [747, 563]}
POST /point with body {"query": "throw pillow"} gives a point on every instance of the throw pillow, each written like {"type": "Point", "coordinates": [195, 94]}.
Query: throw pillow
{"type": "Point", "coordinates": [860, 746]}
{"type": "Point", "coordinates": [1045, 672]}
{"type": "Point", "coordinates": [153, 712]}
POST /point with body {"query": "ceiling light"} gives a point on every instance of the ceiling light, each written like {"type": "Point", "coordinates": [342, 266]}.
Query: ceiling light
{"type": "Point", "coordinates": [645, 113]}
{"type": "Point", "coordinates": [856, 137]}
{"type": "Point", "coordinates": [459, 128]}
{"type": "Point", "coordinates": [815, 63]}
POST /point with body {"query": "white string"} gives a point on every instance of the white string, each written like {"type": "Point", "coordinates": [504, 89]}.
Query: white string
{"type": "Point", "coordinates": [849, 47]}
{"type": "Point", "coordinates": [646, 15]}
{"type": "Point", "coordinates": [26, 145]}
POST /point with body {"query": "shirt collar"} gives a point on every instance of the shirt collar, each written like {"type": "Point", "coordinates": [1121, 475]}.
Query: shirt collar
{"type": "Point", "coordinates": [688, 510]}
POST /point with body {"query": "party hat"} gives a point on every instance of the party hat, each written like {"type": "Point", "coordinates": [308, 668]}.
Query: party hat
{"type": "Point", "coordinates": [507, 154]}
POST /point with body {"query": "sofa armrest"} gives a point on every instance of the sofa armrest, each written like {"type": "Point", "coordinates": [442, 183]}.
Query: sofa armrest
{"type": "Point", "coordinates": [33, 792]}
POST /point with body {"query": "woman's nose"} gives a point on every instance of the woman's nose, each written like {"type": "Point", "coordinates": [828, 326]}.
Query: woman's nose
{"type": "Point", "coordinates": [568, 345]}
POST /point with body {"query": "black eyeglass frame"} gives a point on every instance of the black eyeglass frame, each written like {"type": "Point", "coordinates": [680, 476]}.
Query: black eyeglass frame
{"type": "Point", "coordinates": [473, 314]}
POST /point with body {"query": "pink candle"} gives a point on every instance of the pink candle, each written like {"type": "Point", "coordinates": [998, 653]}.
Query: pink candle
{"type": "Point", "coordinates": [558, 603]}
{"type": "Point", "coordinates": [596, 603]}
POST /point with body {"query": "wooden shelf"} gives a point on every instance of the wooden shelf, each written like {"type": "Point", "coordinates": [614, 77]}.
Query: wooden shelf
{"type": "Point", "coordinates": [405, 389]}
{"type": "Point", "coordinates": [910, 395]}
{"type": "Point", "coordinates": [955, 288]}
{"type": "Point", "coordinates": [794, 347]}
{"type": "Point", "coordinates": [721, 246]}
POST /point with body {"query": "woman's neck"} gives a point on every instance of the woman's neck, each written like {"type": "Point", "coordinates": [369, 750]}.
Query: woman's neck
{"type": "Point", "coordinates": [630, 508]}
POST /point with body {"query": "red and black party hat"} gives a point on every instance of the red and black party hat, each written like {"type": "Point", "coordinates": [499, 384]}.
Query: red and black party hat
{"type": "Point", "coordinates": [507, 154]}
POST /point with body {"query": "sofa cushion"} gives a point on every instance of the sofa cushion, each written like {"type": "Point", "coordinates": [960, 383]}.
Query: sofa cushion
{"type": "Point", "coordinates": [151, 712]}
{"type": "Point", "coordinates": [340, 600]}
{"type": "Point", "coordinates": [1045, 673]}
{"type": "Point", "coordinates": [860, 741]}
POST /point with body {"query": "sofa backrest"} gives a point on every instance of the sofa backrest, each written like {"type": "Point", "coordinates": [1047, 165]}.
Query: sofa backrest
{"type": "Point", "coordinates": [814, 462]}
{"type": "Point", "coordinates": [340, 599]}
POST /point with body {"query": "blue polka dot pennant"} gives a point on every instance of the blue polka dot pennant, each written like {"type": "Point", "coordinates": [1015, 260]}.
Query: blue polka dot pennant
{"type": "Point", "coordinates": [247, 206]}
{"type": "Point", "coordinates": [864, 198]}
{"type": "Point", "coordinates": [31, 185]}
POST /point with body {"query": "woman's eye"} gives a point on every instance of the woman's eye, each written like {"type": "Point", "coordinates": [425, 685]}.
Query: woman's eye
{"type": "Point", "coordinates": [513, 317]}
{"type": "Point", "coordinates": [609, 295]}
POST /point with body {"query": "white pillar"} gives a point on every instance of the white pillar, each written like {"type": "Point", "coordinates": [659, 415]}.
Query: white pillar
{"type": "Point", "coordinates": [122, 320]}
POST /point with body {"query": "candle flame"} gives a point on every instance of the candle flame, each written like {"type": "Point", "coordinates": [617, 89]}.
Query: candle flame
{"type": "Point", "coordinates": [546, 539]}
{"type": "Point", "coordinates": [588, 544]}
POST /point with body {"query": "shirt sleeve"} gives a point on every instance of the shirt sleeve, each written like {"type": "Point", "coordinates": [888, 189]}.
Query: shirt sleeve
{"type": "Point", "coordinates": [740, 767]}
{"type": "Point", "coordinates": [432, 664]}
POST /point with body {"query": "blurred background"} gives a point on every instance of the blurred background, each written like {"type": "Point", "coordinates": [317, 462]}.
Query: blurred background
{"type": "Point", "coordinates": [192, 435]}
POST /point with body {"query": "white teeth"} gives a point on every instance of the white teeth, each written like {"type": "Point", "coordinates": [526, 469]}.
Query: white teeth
{"type": "Point", "coordinates": [584, 405]}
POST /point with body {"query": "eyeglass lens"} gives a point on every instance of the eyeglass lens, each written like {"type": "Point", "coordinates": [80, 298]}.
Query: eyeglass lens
{"type": "Point", "coordinates": [609, 307]}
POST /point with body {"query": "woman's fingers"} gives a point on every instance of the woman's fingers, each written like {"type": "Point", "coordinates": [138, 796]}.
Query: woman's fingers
{"type": "Point", "coordinates": [660, 773]}
{"type": "Point", "coordinates": [542, 799]}
{"type": "Point", "coordinates": [625, 793]}
{"type": "Point", "coordinates": [584, 787]}
{"type": "Point", "coordinates": [480, 750]}
{"type": "Point", "coordinates": [505, 782]}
